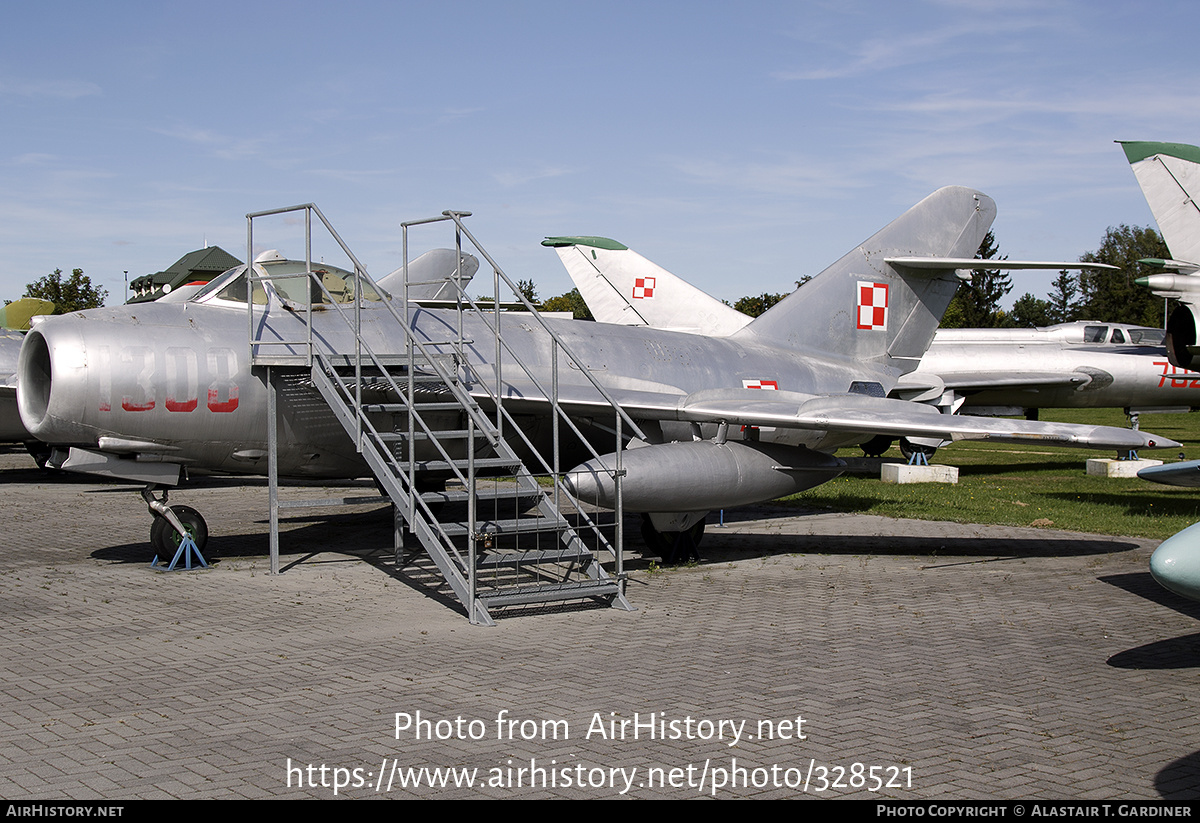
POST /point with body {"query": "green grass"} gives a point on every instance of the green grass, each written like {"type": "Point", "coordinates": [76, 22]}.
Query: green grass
{"type": "Point", "coordinates": [1024, 485]}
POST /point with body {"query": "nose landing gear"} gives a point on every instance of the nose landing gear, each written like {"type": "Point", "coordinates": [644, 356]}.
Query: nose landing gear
{"type": "Point", "coordinates": [176, 530]}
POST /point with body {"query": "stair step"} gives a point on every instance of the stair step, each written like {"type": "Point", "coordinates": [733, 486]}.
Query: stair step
{"type": "Point", "coordinates": [496, 560]}
{"type": "Point", "coordinates": [480, 463]}
{"type": "Point", "coordinates": [521, 525]}
{"type": "Point", "coordinates": [401, 380]}
{"type": "Point", "coordinates": [439, 434]}
{"type": "Point", "coordinates": [462, 495]}
{"type": "Point", "coordinates": [551, 592]}
{"type": "Point", "coordinates": [437, 405]}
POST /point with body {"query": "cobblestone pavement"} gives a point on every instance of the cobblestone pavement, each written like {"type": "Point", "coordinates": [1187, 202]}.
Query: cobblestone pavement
{"type": "Point", "coordinates": [829, 655]}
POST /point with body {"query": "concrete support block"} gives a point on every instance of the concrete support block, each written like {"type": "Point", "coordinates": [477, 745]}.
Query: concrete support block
{"type": "Point", "coordinates": [902, 473]}
{"type": "Point", "coordinates": [1108, 467]}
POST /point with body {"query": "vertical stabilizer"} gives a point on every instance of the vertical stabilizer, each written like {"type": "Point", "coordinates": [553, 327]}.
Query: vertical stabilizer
{"type": "Point", "coordinates": [866, 308]}
{"type": "Point", "coordinates": [1168, 174]}
{"type": "Point", "coordinates": [622, 287]}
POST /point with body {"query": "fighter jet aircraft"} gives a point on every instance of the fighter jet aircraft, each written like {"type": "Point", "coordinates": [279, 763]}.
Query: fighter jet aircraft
{"type": "Point", "coordinates": [1169, 176]}
{"type": "Point", "coordinates": [975, 371]}
{"type": "Point", "coordinates": [14, 319]}
{"type": "Point", "coordinates": [1175, 564]}
{"type": "Point", "coordinates": [141, 392]}
{"type": "Point", "coordinates": [11, 429]}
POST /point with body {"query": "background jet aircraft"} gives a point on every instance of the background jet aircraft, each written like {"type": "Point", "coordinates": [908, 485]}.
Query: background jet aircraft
{"type": "Point", "coordinates": [982, 371]}
{"type": "Point", "coordinates": [143, 392]}
{"type": "Point", "coordinates": [1175, 564]}
{"type": "Point", "coordinates": [11, 429]}
{"type": "Point", "coordinates": [17, 315]}
{"type": "Point", "coordinates": [14, 319]}
{"type": "Point", "coordinates": [1169, 176]}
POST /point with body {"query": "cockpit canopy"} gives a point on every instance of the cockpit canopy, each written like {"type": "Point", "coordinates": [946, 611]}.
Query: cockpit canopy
{"type": "Point", "coordinates": [288, 281]}
{"type": "Point", "coordinates": [1134, 335]}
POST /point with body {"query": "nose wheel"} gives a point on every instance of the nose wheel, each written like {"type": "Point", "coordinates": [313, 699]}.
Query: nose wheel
{"type": "Point", "coordinates": [176, 530]}
{"type": "Point", "coordinates": [166, 539]}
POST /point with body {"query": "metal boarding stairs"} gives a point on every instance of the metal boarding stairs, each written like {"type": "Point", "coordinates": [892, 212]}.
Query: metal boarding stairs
{"type": "Point", "coordinates": [439, 439]}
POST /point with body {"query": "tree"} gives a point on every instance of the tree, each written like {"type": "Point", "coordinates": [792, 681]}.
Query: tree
{"type": "Point", "coordinates": [572, 301]}
{"type": "Point", "coordinates": [1029, 312]}
{"type": "Point", "coordinates": [756, 305]}
{"type": "Point", "coordinates": [1063, 307]}
{"type": "Point", "coordinates": [1112, 296]}
{"type": "Point", "coordinates": [75, 294]}
{"type": "Point", "coordinates": [976, 305]}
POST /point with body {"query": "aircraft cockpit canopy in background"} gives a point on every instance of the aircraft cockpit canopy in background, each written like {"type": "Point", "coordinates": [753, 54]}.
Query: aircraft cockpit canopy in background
{"type": "Point", "coordinates": [288, 283]}
{"type": "Point", "coordinates": [1123, 335]}
{"type": "Point", "coordinates": [1078, 333]}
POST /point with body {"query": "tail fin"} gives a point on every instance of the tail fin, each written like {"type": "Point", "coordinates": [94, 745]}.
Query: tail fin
{"type": "Point", "coordinates": [430, 276]}
{"type": "Point", "coordinates": [622, 287]}
{"type": "Point", "coordinates": [882, 302]}
{"type": "Point", "coordinates": [1169, 174]}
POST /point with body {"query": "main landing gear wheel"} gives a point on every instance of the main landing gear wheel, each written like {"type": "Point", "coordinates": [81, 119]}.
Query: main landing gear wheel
{"type": "Point", "coordinates": [876, 446]}
{"type": "Point", "coordinates": [166, 540]}
{"type": "Point", "coordinates": [39, 451]}
{"type": "Point", "coordinates": [909, 449]}
{"type": "Point", "coordinates": [673, 547]}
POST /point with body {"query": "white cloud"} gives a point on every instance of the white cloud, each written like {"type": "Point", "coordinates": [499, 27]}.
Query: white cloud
{"type": "Point", "coordinates": [519, 177]}
{"type": "Point", "coordinates": [57, 89]}
{"type": "Point", "coordinates": [224, 146]}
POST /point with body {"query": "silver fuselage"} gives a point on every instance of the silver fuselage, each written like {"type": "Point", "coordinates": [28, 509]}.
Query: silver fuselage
{"type": "Point", "coordinates": [174, 382]}
{"type": "Point", "coordinates": [1078, 365]}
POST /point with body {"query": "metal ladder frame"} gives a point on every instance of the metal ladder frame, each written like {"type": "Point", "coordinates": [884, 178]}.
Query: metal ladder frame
{"type": "Point", "coordinates": [418, 355]}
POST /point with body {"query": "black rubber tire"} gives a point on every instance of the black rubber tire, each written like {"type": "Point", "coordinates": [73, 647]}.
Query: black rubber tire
{"type": "Point", "coordinates": [166, 540]}
{"type": "Point", "coordinates": [876, 446]}
{"type": "Point", "coordinates": [909, 449]}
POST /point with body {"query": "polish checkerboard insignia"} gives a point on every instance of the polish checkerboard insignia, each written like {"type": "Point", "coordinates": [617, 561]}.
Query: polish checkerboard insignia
{"type": "Point", "coordinates": [771, 385]}
{"type": "Point", "coordinates": [643, 287]}
{"type": "Point", "coordinates": [872, 305]}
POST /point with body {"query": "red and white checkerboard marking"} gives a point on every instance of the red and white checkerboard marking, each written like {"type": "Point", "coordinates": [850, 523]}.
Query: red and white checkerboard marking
{"type": "Point", "coordinates": [872, 305]}
{"type": "Point", "coordinates": [643, 287]}
{"type": "Point", "coordinates": [771, 385]}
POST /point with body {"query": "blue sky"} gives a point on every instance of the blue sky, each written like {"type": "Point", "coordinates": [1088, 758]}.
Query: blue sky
{"type": "Point", "coordinates": [740, 145]}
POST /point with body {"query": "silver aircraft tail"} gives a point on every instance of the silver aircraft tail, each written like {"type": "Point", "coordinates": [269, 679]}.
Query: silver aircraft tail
{"type": "Point", "coordinates": [622, 287]}
{"type": "Point", "coordinates": [1169, 174]}
{"type": "Point", "coordinates": [431, 277]}
{"type": "Point", "coordinates": [882, 302]}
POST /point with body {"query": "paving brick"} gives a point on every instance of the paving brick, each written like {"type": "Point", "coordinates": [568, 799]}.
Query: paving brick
{"type": "Point", "coordinates": [1005, 663]}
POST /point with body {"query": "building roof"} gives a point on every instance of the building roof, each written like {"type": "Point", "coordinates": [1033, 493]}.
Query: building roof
{"type": "Point", "coordinates": [201, 265]}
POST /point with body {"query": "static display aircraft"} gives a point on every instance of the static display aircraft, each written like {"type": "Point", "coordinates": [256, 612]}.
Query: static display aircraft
{"type": "Point", "coordinates": [975, 371]}
{"type": "Point", "coordinates": [15, 318]}
{"type": "Point", "coordinates": [428, 285]}
{"type": "Point", "coordinates": [1169, 176]}
{"type": "Point", "coordinates": [11, 430]}
{"type": "Point", "coordinates": [17, 315]}
{"type": "Point", "coordinates": [141, 392]}
{"type": "Point", "coordinates": [1175, 564]}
